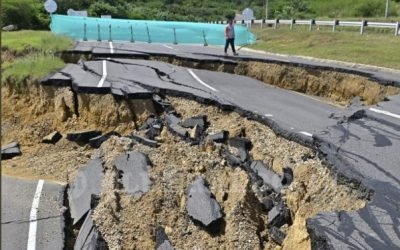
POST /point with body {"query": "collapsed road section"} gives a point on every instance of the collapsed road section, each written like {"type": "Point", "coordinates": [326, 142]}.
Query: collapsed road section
{"type": "Point", "coordinates": [260, 189]}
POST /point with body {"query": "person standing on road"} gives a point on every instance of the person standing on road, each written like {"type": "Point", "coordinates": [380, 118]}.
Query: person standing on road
{"type": "Point", "coordinates": [230, 36]}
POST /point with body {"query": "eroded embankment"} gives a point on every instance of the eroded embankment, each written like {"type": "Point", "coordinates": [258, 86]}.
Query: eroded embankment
{"type": "Point", "coordinates": [337, 87]}
{"type": "Point", "coordinates": [30, 111]}
{"type": "Point", "coordinates": [127, 222]}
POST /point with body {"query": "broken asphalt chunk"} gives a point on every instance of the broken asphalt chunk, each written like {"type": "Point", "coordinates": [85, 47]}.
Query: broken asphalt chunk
{"type": "Point", "coordinates": [162, 241]}
{"type": "Point", "coordinates": [133, 168]}
{"type": "Point", "coordinates": [219, 137]}
{"type": "Point", "coordinates": [52, 138]}
{"type": "Point", "coordinates": [96, 142]}
{"type": "Point", "coordinates": [145, 141]}
{"type": "Point", "coordinates": [277, 235]}
{"type": "Point", "coordinates": [269, 177]}
{"type": "Point", "coordinates": [195, 133]}
{"type": "Point", "coordinates": [10, 150]}
{"type": "Point", "coordinates": [287, 177]}
{"type": "Point", "coordinates": [201, 206]}
{"type": "Point", "coordinates": [82, 136]}
{"type": "Point", "coordinates": [200, 121]}
{"type": "Point", "coordinates": [87, 183]}
{"type": "Point", "coordinates": [278, 216]}
{"type": "Point", "coordinates": [239, 142]}
{"type": "Point", "coordinates": [161, 104]}
{"type": "Point", "coordinates": [174, 127]}
{"type": "Point", "coordinates": [232, 160]}
{"type": "Point", "coordinates": [89, 238]}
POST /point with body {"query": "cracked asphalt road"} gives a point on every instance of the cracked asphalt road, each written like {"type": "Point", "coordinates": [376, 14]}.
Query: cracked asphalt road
{"type": "Point", "coordinates": [365, 150]}
{"type": "Point", "coordinates": [23, 226]}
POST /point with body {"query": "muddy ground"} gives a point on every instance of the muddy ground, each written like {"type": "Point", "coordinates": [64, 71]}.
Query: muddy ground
{"type": "Point", "coordinates": [30, 113]}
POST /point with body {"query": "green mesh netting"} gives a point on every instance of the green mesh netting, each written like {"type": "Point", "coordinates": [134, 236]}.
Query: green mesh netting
{"type": "Point", "coordinates": [90, 28]}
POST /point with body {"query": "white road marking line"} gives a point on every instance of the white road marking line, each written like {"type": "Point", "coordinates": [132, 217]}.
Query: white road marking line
{"type": "Point", "coordinates": [384, 112]}
{"type": "Point", "coordinates": [103, 78]}
{"type": "Point", "coordinates": [111, 48]}
{"type": "Point", "coordinates": [306, 133]}
{"type": "Point", "coordinates": [268, 115]}
{"type": "Point", "coordinates": [166, 46]}
{"type": "Point", "coordinates": [200, 81]}
{"type": "Point", "coordinates": [33, 217]}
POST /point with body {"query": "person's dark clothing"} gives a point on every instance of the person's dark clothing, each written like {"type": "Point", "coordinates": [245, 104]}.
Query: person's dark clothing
{"type": "Point", "coordinates": [230, 41]}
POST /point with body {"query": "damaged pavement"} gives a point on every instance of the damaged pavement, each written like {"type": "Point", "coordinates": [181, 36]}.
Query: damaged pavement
{"type": "Point", "coordinates": [291, 115]}
{"type": "Point", "coordinates": [363, 149]}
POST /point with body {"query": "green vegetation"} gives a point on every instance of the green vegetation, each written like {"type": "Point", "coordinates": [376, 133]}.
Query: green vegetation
{"type": "Point", "coordinates": [33, 66]}
{"type": "Point", "coordinates": [30, 13]}
{"type": "Point", "coordinates": [40, 41]}
{"type": "Point", "coordinates": [342, 45]}
{"type": "Point", "coordinates": [31, 54]}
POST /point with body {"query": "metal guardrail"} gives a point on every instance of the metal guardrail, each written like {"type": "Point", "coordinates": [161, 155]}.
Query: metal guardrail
{"type": "Point", "coordinates": [334, 23]}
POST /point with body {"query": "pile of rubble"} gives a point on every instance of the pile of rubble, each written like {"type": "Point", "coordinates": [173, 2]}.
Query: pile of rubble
{"type": "Point", "coordinates": [201, 206]}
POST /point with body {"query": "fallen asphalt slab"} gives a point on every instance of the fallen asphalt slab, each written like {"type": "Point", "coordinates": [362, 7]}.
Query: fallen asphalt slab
{"type": "Point", "coordinates": [21, 224]}
{"type": "Point", "coordinates": [87, 183]}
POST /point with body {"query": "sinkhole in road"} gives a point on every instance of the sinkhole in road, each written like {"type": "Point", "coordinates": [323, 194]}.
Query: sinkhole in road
{"type": "Point", "coordinates": [125, 221]}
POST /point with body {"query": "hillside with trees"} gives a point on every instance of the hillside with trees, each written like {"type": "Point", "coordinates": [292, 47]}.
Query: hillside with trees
{"type": "Point", "coordinates": [30, 14]}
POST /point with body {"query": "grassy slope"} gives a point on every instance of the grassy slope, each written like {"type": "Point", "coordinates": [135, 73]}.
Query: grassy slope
{"type": "Point", "coordinates": [374, 49]}
{"type": "Point", "coordinates": [32, 53]}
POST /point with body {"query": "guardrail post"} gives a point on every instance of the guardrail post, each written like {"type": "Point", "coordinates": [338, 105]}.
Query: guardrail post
{"type": "Point", "coordinates": [362, 27]}
{"type": "Point", "coordinates": [262, 23]}
{"type": "Point", "coordinates": [276, 23]}
{"type": "Point", "coordinates": [334, 25]}
{"type": "Point", "coordinates": [84, 32]}
{"type": "Point", "coordinates": [98, 33]}
{"type": "Point", "coordinates": [109, 31]}
{"type": "Point", "coordinates": [175, 40]}
{"type": "Point", "coordinates": [148, 34]}
{"type": "Point", "coordinates": [205, 40]}
{"type": "Point", "coordinates": [311, 24]}
{"type": "Point", "coordinates": [291, 24]}
{"type": "Point", "coordinates": [132, 40]}
{"type": "Point", "coordinates": [397, 30]}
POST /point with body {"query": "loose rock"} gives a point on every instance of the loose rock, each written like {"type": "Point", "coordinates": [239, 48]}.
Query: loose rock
{"type": "Point", "coordinates": [200, 204]}
{"type": "Point", "coordinates": [145, 141]}
{"type": "Point", "coordinates": [82, 136]}
{"type": "Point", "coordinates": [52, 138]}
{"type": "Point", "coordinates": [162, 241]}
{"type": "Point", "coordinates": [269, 177]}
{"type": "Point", "coordinates": [133, 168]}
{"type": "Point", "coordinates": [277, 235]}
{"type": "Point", "coordinates": [10, 150]}
{"type": "Point", "coordinates": [96, 142]}
{"type": "Point", "coordinates": [219, 137]}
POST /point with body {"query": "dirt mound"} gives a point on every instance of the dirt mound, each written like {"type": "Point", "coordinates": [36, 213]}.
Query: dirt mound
{"type": "Point", "coordinates": [128, 222]}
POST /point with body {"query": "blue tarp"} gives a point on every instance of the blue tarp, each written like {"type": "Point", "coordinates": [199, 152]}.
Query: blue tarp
{"type": "Point", "coordinates": [91, 28]}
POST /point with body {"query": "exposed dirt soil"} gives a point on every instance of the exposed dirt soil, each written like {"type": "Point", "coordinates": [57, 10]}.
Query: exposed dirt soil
{"type": "Point", "coordinates": [340, 88]}
{"type": "Point", "coordinates": [32, 112]}
{"type": "Point", "coordinates": [128, 222]}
